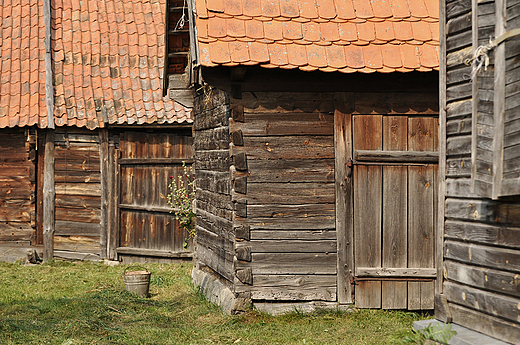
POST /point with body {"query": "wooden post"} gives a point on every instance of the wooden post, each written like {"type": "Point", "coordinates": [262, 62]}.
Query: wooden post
{"type": "Point", "coordinates": [105, 190]}
{"type": "Point", "coordinates": [343, 103]}
{"type": "Point", "coordinates": [49, 89]}
{"type": "Point", "coordinates": [441, 178]}
{"type": "Point", "coordinates": [49, 195]}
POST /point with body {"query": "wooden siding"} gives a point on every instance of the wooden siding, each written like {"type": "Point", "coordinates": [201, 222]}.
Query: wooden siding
{"type": "Point", "coordinates": [283, 154]}
{"type": "Point", "coordinates": [17, 186]}
{"type": "Point", "coordinates": [481, 246]}
{"type": "Point", "coordinates": [214, 208]}
{"type": "Point", "coordinates": [78, 192]}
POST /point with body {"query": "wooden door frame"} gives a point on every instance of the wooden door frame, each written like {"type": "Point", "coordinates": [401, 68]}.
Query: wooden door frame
{"type": "Point", "coordinates": [343, 108]}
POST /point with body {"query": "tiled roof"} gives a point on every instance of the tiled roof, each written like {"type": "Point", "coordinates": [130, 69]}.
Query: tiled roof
{"type": "Point", "coordinates": [327, 35]}
{"type": "Point", "coordinates": [108, 62]}
{"type": "Point", "coordinates": [22, 65]}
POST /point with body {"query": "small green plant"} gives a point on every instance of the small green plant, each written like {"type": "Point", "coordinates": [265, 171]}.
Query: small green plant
{"type": "Point", "coordinates": [438, 332]}
{"type": "Point", "coordinates": [181, 198]}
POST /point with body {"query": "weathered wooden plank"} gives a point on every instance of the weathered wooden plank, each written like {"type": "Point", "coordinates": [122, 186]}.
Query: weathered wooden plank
{"type": "Point", "coordinates": [313, 235]}
{"type": "Point", "coordinates": [459, 109]}
{"type": "Point", "coordinates": [483, 301]}
{"type": "Point", "coordinates": [458, 57]}
{"type": "Point", "coordinates": [214, 181]}
{"type": "Point", "coordinates": [312, 293]}
{"type": "Point", "coordinates": [298, 170]}
{"type": "Point", "coordinates": [396, 156]}
{"type": "Point", "coordinates": [290, 193]}
{"type": "Point", "coordinates": [292, 263]}
{"type": "Point", "coordinates": [215, 160]}
{"type": "Point", "coordinates": [74, 228]}
{"type": "Point", "coordinates": [457, 146]}
{"type": "Point", "coordinates": [384, 272]}
{"type": "Point", "coordinates": [470, 209]}
{"type": "Point", "coordinates": [460, 187]}
{"type": "Point", "coordinates": [293, 246]}
{"type": "Point", "coordinates": [210, 258]}
{"type": "Point", "coordinates": [215, 199]}
{"type": "Point", "coordinates": [215, 224]}
{"type": "Point", "coordinates": [484, 278]}
{"type": "Point", "coordinates": [456, 8]}
{"type": "Point", "coordinates": [483, 233]}
{"type": "Point", "coordinates": [154, 252]}
{"type": "Point", "coordinates": [211, 208]}
{"type": "Point", "coordinates": [483, 256]}
{"type": "Point", "coordinates": [344, 103]}
{"type": "Point", "coordinates": [78, 215]}
{"type": "Point", "coordinates": [394, 103]}
{"type": "Point", "coordinates": [493, 326]}
{"type": "Point", "coordinates": [458, 167]}
{"type": "Point", "coordinates": [291, 223]}
{"type": "Point", "coordinates": [290, 211]}
{"type": "Point", "coordinates": [86, 189]}
{"type": "Point", "coordinates": [458, 41]}
{"type": "Point", "coordinates": [16, 231]}
{"type": "Point", "coordinates": [105, 190]}
{"type": "Point", "coordinates": [367, 133]}
{"type": "Point", "coordinates": [49, 193]}
{"type": "Point", "coordinates": [286, 102]}
{"type": "Point", "coordinates": [80, 244]}
{"type": "Point", "coordinates": [281, 125]}
{"type": "Point", "coordinates": [287, 147]}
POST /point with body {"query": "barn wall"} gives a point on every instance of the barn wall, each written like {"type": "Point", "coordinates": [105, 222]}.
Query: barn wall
{"type": "Point", "coordinates": [283, 151]}
{"type": "Point", "coordinates": [214, 207]}
{"type": "Point", "coordinates": [481, 236]}
{"type": "Point", "coordinates": [78, 193]}
{"type": "Point", "coordinates": [17, 186]}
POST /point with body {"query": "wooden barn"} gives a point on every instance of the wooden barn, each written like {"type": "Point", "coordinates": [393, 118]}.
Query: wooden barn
{"type": "Point", "coordinates": [88, 138]}
{"type": "Point", "coordinates": [316, 153]}
{"type": "Point", "coordinates": [479, 148]}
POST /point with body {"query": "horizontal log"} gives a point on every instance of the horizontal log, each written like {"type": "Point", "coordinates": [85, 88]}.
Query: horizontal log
{"type": "Point", "coordinates": [153, 252]}
{"type": "Point", "coordinates": [78, 201]}
{"type": "Point", "coordinates": [209, 207]}
{"type": "Point", "coordinates": [147, 208]}
{"type": "Point", "coordinates": [291, 263]}
{"type": "Point", "coordinates": [480, 322]}
{"type": "Point", "coordinates": [213, 160]}
{"type": "Point", "coordinates": [78, 215]}
{"type": "Point", "coordinates": [77, 176]}
{"type": "Point", "coordinates": [281, 125]}
{"type": "Point", "coordinates": [291, 211]}
{"type": "Point", "coordinates": [16, 231]}
{"type": "Point", "coordinates": [212, 139]}
{"type": "Point", "coordinates": [458, 167]}
{"type": "Point", "coordinates": [292, 246]}
{"type": "Point", "coordinates": [287, 147]}
{"type": "Point", "coordinates": [286, 102]}
{"type": "Point", "coordinates": [485, 256]}
{"type": "Point", "coordinates": [212, 117]}
{"type": "Point", "coordinates": [298, 170]}
{"type": "Point", "coordinates": [456, 146]}
{"type": "Point", "coordinates": [68, 255]}
{"type": "Point", "coordinates": [486, 302]}
{"type": "Point", "coordinates": [214, 181]}
{"type": "Point", "coordinates": [316, 235]}
{"type": "Point", "coordinates": [215, 199]}
{"type": "Point", "coordinates": [470, 209]}
{"type": "Point", "coordinates": [483, 233]}
{"type": "Point", "coordinates": [384, 272]}
{"type": "Point", "coordinates": [290, 223]}
{"type": "Point", "coordinates": [87, 189]}
{"type": "Point", "coordinates": [396, 156]}
{"type": "Point", "coordinates": [154, 161]}
{"type": "Point", "coordinates": [77, 244]}
{"type": "Point", "coordinates": [313, 293]}
{"type": "Point", "coordinates": [215, 224]}
{"type": "Point", "coordinates": [69, 228]}
{"type": "Point", "coordinates": [483, 278]}
{"type": "Point", "coordinates": [209, 258]}
{"type": "Point", "coordinates": [290, 193]}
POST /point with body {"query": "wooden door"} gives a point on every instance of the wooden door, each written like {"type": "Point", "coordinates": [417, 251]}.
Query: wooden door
{"type": "Point", "coordinates": [149, 162]}
{"type": "Point", "coordinates": [394, 171]}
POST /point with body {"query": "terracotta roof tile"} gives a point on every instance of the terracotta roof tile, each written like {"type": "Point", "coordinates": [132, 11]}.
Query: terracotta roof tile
{"type": "Point", "coordinates": [345, 35]}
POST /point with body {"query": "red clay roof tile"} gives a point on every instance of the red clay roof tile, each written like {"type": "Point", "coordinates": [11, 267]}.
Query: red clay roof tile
{"type": "Point", "coordinates": [251, 8]}
{"type": "Point", "coordinates": [270, 8]}
{"type": "Point", "coordinates": [289, 8]}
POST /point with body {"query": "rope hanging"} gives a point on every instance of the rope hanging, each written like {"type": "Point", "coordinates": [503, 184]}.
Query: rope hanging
{"type": "Point", "coordinates": [480, 56]}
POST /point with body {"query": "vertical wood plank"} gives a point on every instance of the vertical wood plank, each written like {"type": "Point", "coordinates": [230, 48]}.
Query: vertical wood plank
{"type": "Point", "coordinates": [39, 190]}
{"type": "Point", "coordinates": [499, 101]}
{"type": "Point", "coordinates": [344, 197]}
{"type": "Point", "coordinates": [49, 197]}
{"type": "Point", "coordinates": [105, 190]}
{"type": "Point", "coordinates": [395, 225]}
{"type": "Point", "coordinates": [367, 135]}
{"type": "Point", "coordinates": [113, 239]}
{"type": "Point", "coordinates": [420, 207]}
{"type": "Point", "coordinates": [441, 179]}
{"type": "Point", "coordinates": [474, 94]}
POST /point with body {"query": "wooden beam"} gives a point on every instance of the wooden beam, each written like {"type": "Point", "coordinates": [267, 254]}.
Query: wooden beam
{"type": "Point", "coordinates": [396, 156]}
{"type": "Point", "coordinates": [384, 272]}
{"type": "Point", "coordinates": [153, 252]}
{"type": "Point", "coordinates": [499, 101]}
{"type": "Point", "coordinates": [49, 195]}
{"type": "Point", "coordinates": [113, 202]}
{"type": "Point", "coordinates": [153, 161]}
{"type": "Point", "coordinates": [441, 175]}
{"type": "Point", "coordinates": [49, 89]}
{"type": "Point", "coordinates": [105, 189]}
{"type": "Point", "coordinates": [343, 103]}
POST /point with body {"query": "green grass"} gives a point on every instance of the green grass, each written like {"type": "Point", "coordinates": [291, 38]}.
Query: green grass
{"type": "Point", "coordinates": [84, 303]}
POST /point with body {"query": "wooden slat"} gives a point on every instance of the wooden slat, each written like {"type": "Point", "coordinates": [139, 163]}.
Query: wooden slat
{"type": "Point", "coordinates": [395, 207]}
{"type": "Point", "coordinates": [49, 193]}
{"type": "Point", "coordinates": [367, 133]}
{"type": "Point", "coordinates": [153, 252]}
{"type": "Point", "coordinates": [292, 263]}
{"type": "Point", "coordinates": [396, 156]}
{"type": "Point", "coordinates": [154, 161]}
{"type": "Point", "coordinates": [396, 272]}
{"type": "Point", "coordinates": [483, 256]}
{"type": "Point", "coordinates": [292, 246]}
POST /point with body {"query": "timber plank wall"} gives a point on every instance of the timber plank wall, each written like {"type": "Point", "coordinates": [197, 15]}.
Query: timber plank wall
{"type": "Point", "coordinates": [481, 236]}
{"type": "Point", "coordinates": [283, 155]}
{"type": "Point", "coordinates": [214, 208]}
{"type": "Point", "coordinates": [17, 186]}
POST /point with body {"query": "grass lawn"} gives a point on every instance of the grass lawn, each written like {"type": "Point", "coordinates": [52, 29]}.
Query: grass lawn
{"type": "Point", "coordinates": [85, 303]}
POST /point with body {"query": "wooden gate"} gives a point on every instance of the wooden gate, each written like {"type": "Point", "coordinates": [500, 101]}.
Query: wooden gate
{"type": "Point", "coordinates": [392, 169]}
{"type": "Point", "coordinates": [148, 162]}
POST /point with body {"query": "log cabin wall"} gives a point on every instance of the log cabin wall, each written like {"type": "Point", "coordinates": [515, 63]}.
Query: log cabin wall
{"type": "Point", "coordinates": [283, 152]}
{"type": "Point", "coordinates": [18, 186]}
{"type": "Point", "coordinates": [78, 194]}
{"type": "Point", "coordinates": [481, 287]}
{"type": "Point", "coordinates": [214, 208]}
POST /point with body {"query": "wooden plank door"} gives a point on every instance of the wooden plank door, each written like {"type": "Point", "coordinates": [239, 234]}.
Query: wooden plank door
{"type": "Point", "coordinates": [394, 206]}
{"type": "Point", "coordinates": [149, 162]}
